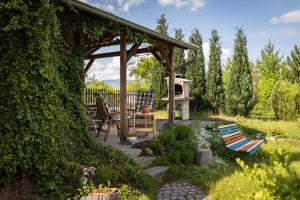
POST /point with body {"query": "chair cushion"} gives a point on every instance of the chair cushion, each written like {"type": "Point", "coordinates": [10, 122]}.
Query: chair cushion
{"type": "Point", "coordinates": [144, 98]}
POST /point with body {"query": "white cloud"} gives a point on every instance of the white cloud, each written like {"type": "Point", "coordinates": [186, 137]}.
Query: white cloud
{"type": "Point", "coordinates": [125, 5]}
{"type": "Point", "coordinates": [194, 5]}
{"type": "Point", "coordinates": [206, 52]}
{"type": "Point", "coordinates": [281, 33]}
{"type": "Point", "coordinates": [114, 5]}
{"type": "Point", "coordinates": [105, 71]}
{"type": "Point", "coordinates": [226, 53]}
{"type": "Point", "coordinates": [289, 17]}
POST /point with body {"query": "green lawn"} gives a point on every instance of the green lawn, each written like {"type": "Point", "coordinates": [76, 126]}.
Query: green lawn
{"type": "Point", "coordinates": [228, 181]}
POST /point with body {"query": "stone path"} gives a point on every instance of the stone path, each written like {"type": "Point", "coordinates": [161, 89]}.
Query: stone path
{"type": "Point", "coordinates": [181, 191]}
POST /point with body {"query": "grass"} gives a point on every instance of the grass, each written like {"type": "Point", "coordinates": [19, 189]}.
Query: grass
{"type": "Point", "coordinates": [229, 181]}
{"type": "Point", "coordinates": [292, 128]}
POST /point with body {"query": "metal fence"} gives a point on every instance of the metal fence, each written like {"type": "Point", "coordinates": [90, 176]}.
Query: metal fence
{"type": "Point", "coordinates": [112, 98]}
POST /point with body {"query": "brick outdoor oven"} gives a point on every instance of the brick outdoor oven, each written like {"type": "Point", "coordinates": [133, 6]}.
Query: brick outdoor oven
{"type": "Point", "coordinates": [182, 96]}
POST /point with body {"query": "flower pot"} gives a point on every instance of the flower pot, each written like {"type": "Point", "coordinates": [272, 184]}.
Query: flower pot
{"type": "Point", "coordinates": [113, 194]}
{"type": "Point", "coordinates": [146, 109]}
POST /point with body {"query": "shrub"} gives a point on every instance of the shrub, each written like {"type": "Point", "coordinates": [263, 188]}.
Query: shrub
{"type": "Point", "coordinates": [183, 132]}
{"type": "Point", "coordinates": [278, 180]}
{"type": "Point", "coordinates": [277, 132]}
{"type": "Point", "coordinates": [285, 99]}
{"type": "Point", "coordinates": [128, 192]}
{"type": "Point", "coordinates": [174, 155]}
{"type": "Point", "coordinates": [167, 137]}
{"type": "Point", "coordinates": [179, 142]}
{"type": "Point", "coordinates": [205, 138]}
{"type": "Point", "coordinates": [157, 147]}
{"type": "Point", "coordinates": [188, 155]}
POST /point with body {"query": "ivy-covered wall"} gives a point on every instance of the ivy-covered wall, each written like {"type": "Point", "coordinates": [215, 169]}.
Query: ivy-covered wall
{"type": "Point", "coordinates": [41, 116]}
{"type": "Point", "coordinates": [42, 124]}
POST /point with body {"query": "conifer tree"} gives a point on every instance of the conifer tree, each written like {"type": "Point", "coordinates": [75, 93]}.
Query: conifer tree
{"type": "Point", "coordinates": [294, 63]}
{"type": "Point", "coordinates": [268, 67]}
{"type": "Point", "coordinates": [240, 89]}
{"type": "Point", "coordinates": [162, 25]}
{"type": "Point", "coordinates": [158, 82]}
{"type": "Point", "coordinates": [178, 58]}
{"type": "Point", "coordinates": [215, 90]}
{"type": "Point", "coordinates": [196, 71]}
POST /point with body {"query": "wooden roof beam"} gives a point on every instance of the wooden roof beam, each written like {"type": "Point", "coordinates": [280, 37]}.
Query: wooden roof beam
{"type": "Point", "coordinates": [88, 66]}
{"type": "Point", "coordinates": [132, 51]}
{"type": "Point", "coordinates": [117, 53]}
{"type": "Point", "coordinates": [166, 57]}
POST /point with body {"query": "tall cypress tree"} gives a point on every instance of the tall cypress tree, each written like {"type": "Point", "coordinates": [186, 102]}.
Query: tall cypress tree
{"type": "Point", "coordinates": [196, 71]}
{"type": "Point", "coordinates": [215, 90]}
{"type": "Point", "coordinates": [240, 89]}
{"type": "Point", "coordinates": [178, 58]}
{"type": "Point", "coordinates": [158, 82]}
{"type": "Point", "coordinates": [294, 63]}
{"type": "Point", "coordinates": [162, 25]}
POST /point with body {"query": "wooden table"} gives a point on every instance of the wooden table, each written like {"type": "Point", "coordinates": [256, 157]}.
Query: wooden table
{"type": "Point", "coordinates": [146, 128]}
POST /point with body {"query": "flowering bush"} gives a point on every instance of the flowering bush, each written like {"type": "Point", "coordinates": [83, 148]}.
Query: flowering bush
{"type": "Point", "coordinates": [205, 138]}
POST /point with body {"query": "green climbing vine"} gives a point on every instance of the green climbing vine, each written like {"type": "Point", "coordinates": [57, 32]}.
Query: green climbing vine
{"type": "Point", "coordinates": [42, 123]}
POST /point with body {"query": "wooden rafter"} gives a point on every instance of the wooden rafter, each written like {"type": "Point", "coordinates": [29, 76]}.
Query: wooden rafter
{"type": "Point", "coordinates": [88, 66]}
{"type": "Point", "coordinates": [117, 53]}
{"type": "Point", "coordinates": [158, 57]}
{"type": "Point", "coordinates": [90, 51]}
{"type": "Point", "coordinates": [132, 51]}
{"type": "Point", "coordinates": [165, 57]}
{"type": "Point", "coordinates": [68, 39]}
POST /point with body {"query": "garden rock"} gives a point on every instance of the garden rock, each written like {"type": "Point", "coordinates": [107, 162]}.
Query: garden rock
{"type": "Point", "coordinates": [148, 152]}
{"type": "Point", "coordinates": [204, 157]}
{"type": "Point", "coordinates": [89, 172]}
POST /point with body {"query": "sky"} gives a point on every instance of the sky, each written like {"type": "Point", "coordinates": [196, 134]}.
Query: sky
{"type": "Point", "coordinates": [262, 20]}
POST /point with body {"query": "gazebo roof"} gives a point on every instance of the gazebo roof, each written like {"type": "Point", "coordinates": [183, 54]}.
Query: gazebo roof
{"type": "Point", "coordinates": [102, 14]}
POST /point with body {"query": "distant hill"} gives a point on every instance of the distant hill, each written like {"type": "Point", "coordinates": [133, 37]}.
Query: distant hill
{"type": "Point", "coordinates": [115, 82]}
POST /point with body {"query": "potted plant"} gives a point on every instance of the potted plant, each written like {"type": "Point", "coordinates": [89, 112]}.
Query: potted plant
{"type": "Point", "coordinates": [103, 193]}
{"type": "Point", "coordinates": [204, 155]}
{"type": "Point", "coordinates": [146, 108]}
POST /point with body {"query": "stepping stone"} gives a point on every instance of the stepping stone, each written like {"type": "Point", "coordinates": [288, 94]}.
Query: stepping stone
{"type": "Point", "coordinates": [144, 161]}
{"type": "Point", "coordinates": [132, 153]}
{"type": "Point", "coordinates": [156, 171]}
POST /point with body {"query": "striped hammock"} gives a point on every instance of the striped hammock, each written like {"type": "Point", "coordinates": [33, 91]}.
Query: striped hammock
{"type": "Point", "coordinates": [235, 140]}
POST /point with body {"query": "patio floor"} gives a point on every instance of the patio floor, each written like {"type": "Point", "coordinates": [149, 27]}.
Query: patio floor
{"type": "Point", "coordinates": [114, 140]}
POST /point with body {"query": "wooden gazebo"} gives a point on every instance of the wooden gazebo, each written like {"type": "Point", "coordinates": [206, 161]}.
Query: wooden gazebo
{"type": "Point", "coordinates": [160, 46]}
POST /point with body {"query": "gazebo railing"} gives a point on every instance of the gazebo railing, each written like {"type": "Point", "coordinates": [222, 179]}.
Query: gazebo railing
{"type": "Point", "coordinates": [112, 98]}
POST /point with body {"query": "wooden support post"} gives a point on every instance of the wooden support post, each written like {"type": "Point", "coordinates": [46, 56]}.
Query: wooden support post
{"type": "Point", "coordinates": [171, 115]}
{"type": "Point", "coordinates": [123, 62]}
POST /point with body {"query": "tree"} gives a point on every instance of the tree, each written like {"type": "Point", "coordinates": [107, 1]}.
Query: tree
{"type": "Point", "coordinates": [285, 100]}
{"type": "Point", "coordinates": [226, 73]}
{"type": "Point", "coordinates": [215, 90]}
{"type": "Point", "coordinates": [268, 68]}
{"type": "Point", "coordinates": [240, 89]}
{"type": "Point", "coordinates": [144, 70]}
{"type": "Point", "coordinates": [196, 71]}
{"type": "Point", "coordinates": [293, 62]}
{"type": "Point", "coordinates": [158, 82]}
{"type": "Point", "coordinates": [178, 58]}
{"type": "Point", "coordinates": [162, 25]}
